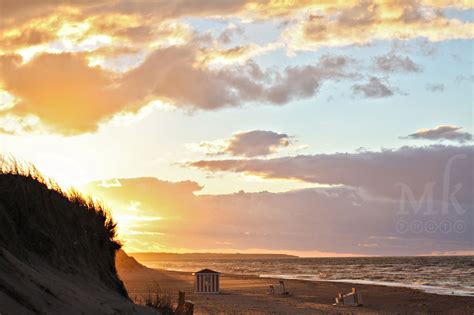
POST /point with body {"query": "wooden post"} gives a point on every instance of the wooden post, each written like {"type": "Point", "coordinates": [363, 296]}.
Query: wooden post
{"type": "Point", "coordinates": [181, 298]}
{"type": "Point", "coordinates": [184, 307]}
{"type": "Point", "coordinates": [282, 283]}
{"type": "Point", "coordinates": [189, 308]}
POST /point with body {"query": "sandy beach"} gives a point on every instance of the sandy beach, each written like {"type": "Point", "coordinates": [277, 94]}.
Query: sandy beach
{"type": "Point", "coordinates": [247, 295]}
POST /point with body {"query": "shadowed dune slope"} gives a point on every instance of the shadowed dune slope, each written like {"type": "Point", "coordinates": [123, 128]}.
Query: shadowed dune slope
{"type": "Point", "coordinates": [57, 250]}
{"type": "Point", "coordinates": [126, 263]}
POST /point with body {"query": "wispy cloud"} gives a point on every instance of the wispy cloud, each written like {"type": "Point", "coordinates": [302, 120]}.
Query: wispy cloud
{"type": "Point", "coordinates": [247, 143]}
{"type": "Point", "coordinates": [395, 63]}
{"type": "Point", "coordinates": [443, 132]}
{"type": "Point", "coordinates": [374, 88]}
{"type": "Point", "coordinates": [435, 87]}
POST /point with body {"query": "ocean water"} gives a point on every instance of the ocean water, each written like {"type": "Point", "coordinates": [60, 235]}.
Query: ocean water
{"type": "Point", "coordinates": [453, 275]}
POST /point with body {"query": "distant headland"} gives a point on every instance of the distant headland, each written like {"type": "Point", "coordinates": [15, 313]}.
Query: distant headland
{"type": "Point", "coordinates": [148, 256]}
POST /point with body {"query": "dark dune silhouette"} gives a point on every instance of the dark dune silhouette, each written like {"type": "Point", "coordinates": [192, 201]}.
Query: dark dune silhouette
{"type": "Point", "coordinates": [57, 249]}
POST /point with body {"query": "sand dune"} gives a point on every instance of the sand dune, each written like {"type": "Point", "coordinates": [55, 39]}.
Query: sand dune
{"type": "Point", "coordinates": [57, 251]}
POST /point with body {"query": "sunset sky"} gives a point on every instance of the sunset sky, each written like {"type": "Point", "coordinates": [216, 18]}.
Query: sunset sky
{"type": "Point", "coordinates": [254, 126]}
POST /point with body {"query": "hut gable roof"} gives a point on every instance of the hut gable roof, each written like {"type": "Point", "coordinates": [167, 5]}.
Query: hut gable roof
{"type": "Point", "coordinates": [207, 271]}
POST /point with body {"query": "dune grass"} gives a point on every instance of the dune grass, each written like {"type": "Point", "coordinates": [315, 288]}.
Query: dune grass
{"type": "Point", "coordinates": [157, 299]}
{"type": "Point", "coordinates": [69, 231]}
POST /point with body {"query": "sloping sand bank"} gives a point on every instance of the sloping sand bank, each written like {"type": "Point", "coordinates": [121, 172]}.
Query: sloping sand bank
{"type": "Point", "coordinates": [39, 289]}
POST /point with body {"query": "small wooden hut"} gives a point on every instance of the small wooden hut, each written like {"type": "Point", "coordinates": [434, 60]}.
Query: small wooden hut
{"type": "Point", "coordinates": [207, 281]}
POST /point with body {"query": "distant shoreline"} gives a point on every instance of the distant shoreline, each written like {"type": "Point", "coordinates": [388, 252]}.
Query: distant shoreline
{"type": "Point", "coordinates": [149, 256]}
{"type": "Point", "coordinates": [169, 255]}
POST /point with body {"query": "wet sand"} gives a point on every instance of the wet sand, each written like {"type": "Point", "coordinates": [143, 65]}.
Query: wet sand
{"type": "Point", "coordinates": [247, 295]}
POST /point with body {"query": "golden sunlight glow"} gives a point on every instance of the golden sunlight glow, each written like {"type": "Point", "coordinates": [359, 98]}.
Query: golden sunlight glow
{"type": "Point", "coordinates": [72, 30]}
{"type": "Point", "coordinates": [171, 34]}
{"type": "Point", "coordinates": [239, 54]}
{"type": "Point", "coordinates": [7, 100]}
{"type": "Point", "coordinates": [59, 167]}
{"type": "Point", "coordinates": [127, 118]}
{"type": "Point", "coordinates": [29, 52]}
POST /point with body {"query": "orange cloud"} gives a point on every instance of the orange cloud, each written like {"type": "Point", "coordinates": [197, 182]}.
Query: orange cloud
{"type": "Point", "coordinates": [237, 54]}
{"type": "Point", "coordinates": [61, 90]}
{"type": "Point", "coordinates": [327, 23]}
{"type": "Point", "coordinates": [16, 34]}
{"type": "Point", "coordinates": [69, 29]}
{"type": "Point", "coordinates": [71, 97]}
{"type": "Point", "coordinates": [369, 20]}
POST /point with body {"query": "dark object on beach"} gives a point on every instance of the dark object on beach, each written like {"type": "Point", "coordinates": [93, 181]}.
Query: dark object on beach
{"type": "Point", "coordinates": [351, 299]}
{"type": "Point", "coordinates": [184, 307]}
{"type": "Point", "coordinates": [278, 289]}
